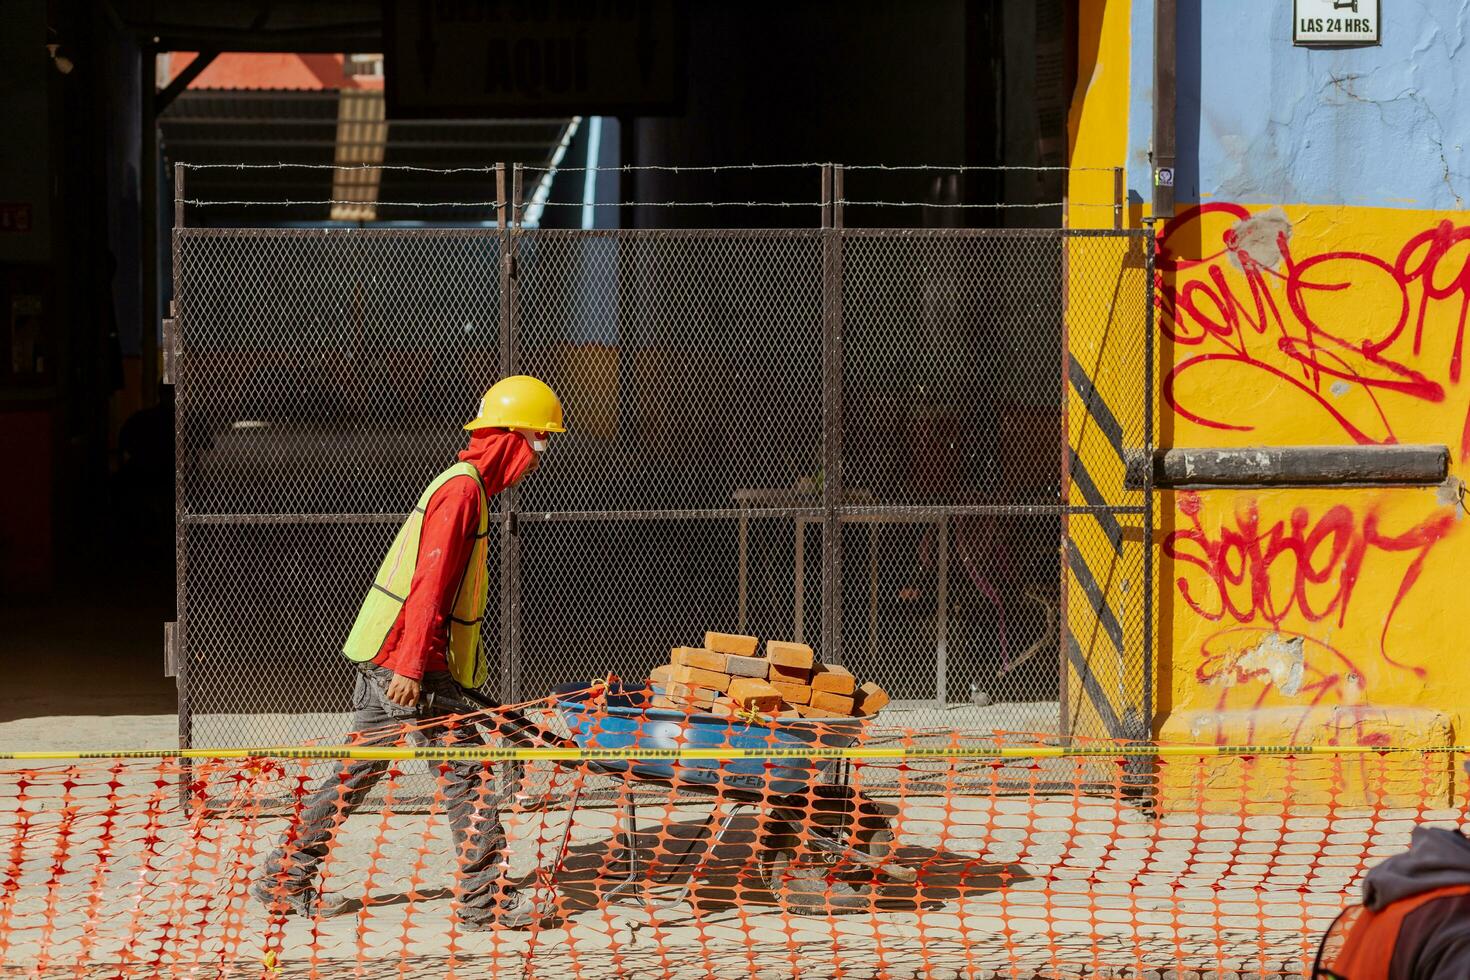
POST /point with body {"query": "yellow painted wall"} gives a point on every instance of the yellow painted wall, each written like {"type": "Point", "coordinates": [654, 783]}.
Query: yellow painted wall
{"type": "Point", "coordinates": [1294, 616]}
{"type": "Point", "coordinates": [1328, 614]}
{"type": "Point", "coordinates": [1102, 588]}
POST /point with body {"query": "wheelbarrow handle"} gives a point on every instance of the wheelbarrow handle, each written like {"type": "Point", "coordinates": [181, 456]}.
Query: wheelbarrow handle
{"type": "Point", "coordinates": [517, 727]}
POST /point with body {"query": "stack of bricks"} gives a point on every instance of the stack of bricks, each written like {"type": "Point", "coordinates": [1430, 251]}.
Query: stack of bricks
{"type": "Point", "coordinates": [727, 677]}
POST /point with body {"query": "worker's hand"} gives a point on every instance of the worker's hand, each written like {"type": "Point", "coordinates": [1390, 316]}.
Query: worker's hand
{"type": "Point", "coordinates": [404, 691]}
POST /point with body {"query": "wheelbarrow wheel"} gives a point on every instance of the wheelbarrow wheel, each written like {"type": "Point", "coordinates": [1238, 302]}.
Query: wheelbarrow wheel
{"type": "Point", "coordinates": [809, 880]}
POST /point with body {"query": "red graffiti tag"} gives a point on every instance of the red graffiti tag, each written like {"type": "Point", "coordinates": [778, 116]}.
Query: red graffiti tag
{"type": "Point", "coordinates": [1271, 324]}
{"type": "Point", "coordinates": [1301, 565]}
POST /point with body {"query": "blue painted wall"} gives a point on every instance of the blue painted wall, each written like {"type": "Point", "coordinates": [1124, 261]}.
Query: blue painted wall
{"type": "Point", "coordinates": [1262, 121]}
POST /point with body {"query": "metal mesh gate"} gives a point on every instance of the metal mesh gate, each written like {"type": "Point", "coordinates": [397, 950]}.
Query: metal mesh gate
{"type": "Point", "coordinates": [866, 439]}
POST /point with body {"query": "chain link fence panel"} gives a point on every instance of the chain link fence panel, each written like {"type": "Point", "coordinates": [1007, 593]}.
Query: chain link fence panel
{"type": "Point", "coordinates": [711, 379]}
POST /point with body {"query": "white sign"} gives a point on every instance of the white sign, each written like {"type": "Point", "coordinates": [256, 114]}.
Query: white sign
{"type": "Point", "coordinates": [1335, 22]}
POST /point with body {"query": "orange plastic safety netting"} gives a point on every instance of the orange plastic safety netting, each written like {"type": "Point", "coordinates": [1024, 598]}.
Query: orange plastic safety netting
{"type": "Point", "coordinates": [879, 852]}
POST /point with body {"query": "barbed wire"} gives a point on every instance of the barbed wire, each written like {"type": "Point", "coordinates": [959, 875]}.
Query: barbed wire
{"type": "Point", "coordinates": [663, 168]}
{"type": "Point", "coordinates": [199, 202]}
{"type": "Point", "coordinates": [957, 204]}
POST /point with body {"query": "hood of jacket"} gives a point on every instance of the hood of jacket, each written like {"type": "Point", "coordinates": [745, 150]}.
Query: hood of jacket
{"type": "Point", "coordinates": [1436, 858]}
{"type": "Point", "coordinates": [501, 456]}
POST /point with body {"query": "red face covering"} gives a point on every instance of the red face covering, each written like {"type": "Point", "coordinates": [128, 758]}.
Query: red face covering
{"type": "Point", "coordinates": [501, 456]}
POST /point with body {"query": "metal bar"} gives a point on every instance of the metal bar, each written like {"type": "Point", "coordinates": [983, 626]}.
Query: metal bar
{"type": "Point", "coordinates": [873, 593]}
{"type": "Point", "coordinates": [744, 549]}
{"type": "Point", "coordinates": [941, 619]}
{"type": "Point", "coordinates": [837, 195]}
{"type": "Point", "coordinates": [930, 511]}
{"type": "Point", "coordinates": [516, 174]}
{"type": "Point", "coordinates": [292, 518]}
{"type": "Point", "coordinates": [831, 432]}
{"type": "Point", "coordinates": [798, 626]}
{"type": "Point", "coordinates": [178, 369]}
{"type": "Point", "coordinates": [500, 196]}
{"type": "Point", "coordinates": [826, 197]}
{"type": "Point", "coordinates": [1148, 498]}
{"type": "Point", "coordinates": [999, 233]}
{"type": "Point", "coordinates": [178, 196]}
{"type": "Point", "coordinates": [1288, 466]}
{"type": "Point", "coordinates": [1165, 48]}
{"type": "Point", "coordinates": [772, 234]}
{"type": "Point", "coordinates": [510, 552]}
{"type": "Point", "coordinates": [1118, 198]}
{"type": "Point", "coordinates": [165, 96]}
{"type": "Point", "coordinates": [1064, 461]}
{"type": "Point", "coordinates": [506, 513]}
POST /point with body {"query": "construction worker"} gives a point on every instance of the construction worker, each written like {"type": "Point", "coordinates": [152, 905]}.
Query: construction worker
{"type": "Point", "coordinates": [1414, 922]}
{"type": "Point", "coordinates": [418, 632]}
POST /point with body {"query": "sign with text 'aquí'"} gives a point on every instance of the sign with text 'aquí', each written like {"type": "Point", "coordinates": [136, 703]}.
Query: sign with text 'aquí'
{"type": "Point", "coordinates": [1335, 23]}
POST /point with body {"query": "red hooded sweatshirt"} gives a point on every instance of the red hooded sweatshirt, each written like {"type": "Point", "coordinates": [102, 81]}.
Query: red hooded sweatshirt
{"type": "Point", "coordinates": [420, 635]}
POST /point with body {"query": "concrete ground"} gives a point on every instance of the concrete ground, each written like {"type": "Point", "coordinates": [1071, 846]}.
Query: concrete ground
{"type": "Point", "coordinates": [101, 873]}
{"type": "Point", "coordinates": [110, 878]}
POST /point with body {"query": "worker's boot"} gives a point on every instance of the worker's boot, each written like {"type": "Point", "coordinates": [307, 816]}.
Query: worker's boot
{"type": "Point", "coordinates": [517, 910]}
{"type": "Point", "coordinates": [302, 900]}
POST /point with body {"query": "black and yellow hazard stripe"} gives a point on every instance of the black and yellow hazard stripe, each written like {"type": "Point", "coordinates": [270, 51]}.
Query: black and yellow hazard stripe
{"type": "Point", "coordinates": [1102, 640]}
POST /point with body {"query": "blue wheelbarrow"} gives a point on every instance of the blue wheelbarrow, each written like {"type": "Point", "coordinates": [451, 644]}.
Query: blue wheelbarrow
{"type": "Point", "coordinates": [819, 844]}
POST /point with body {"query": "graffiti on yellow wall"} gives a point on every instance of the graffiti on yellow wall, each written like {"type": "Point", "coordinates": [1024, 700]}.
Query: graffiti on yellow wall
{"type": "Point", "coordinates": [1311, 325]}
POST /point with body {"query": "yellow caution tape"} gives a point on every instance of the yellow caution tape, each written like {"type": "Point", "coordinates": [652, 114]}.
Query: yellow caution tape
{"type": "Point", "coordinates": [382, 753]}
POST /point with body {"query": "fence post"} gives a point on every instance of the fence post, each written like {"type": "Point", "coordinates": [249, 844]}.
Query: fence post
{"type": "Point", "coordinates": [832, 497]}
{"type": "Point", "coordinates": [1148, 487]}
{"type": "Point", "coordinates": [1118, 198]}
{"type": "Point", "coordinates": [510, 565]}
{"type": "Point", "coordinates": [175, 633]}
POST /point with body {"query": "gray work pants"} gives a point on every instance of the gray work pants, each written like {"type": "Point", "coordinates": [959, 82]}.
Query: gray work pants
{"type": "Point", "coordinates": [470, 792]}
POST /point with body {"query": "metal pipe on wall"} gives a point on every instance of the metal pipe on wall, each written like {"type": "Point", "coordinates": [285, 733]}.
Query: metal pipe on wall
{"type": "Point", "coordinates": [1165, 53]}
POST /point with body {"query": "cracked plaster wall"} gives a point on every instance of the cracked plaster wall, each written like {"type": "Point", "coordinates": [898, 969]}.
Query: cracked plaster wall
{"type": "Point", "coordinates": [1263, 121]}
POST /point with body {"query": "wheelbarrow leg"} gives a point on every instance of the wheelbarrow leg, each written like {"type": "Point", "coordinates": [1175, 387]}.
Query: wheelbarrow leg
{"type": "Point", "coordinates": [644, 896]}
{"type": "Point", "coordinates": [629, 837]}
{"type": "Point", "coordinates": [683, 893]}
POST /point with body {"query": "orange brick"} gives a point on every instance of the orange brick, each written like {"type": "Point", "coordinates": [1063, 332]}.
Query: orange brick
{"type": "Point", "coordinates": [741, 646]}
{"type": "Point", "coordinates": [737, 666]}
{"type": "Point", "coordinates": [695, 677]}
{"type": "Point", "coordinates": [870, 699]}
{"type": "Point", "coordinates": [833, 704]}
{"type": "Point", "coordinates": [750, 692]}
{"type": "Point", "coordinates": [695, 657]}
{"type": "Point", "coordinates": [810, 711]}
{"type": "Point", "coordinates": [796, 656]}
{"type": "Point", "coordinates": [681, 704]}
{"type": "Point", "coordinates": [793, 693]}
{"type": "Point", "coordinates": [725, 707]}
{"type": "Point", "coordinates": [677, 690]}
{"type": "Point", "coordinates": [778, 674]}
{"type": "Point", "coordinates": [833, 679]}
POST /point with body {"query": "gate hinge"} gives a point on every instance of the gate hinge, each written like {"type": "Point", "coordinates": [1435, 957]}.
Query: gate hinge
{"type": "Point", "coordinates": [170, 649]}
{"type": "Point", "coordinates": [169, 348]}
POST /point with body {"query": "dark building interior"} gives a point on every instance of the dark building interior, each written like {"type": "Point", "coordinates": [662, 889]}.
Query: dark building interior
{"type": "Point", "coordinates": [104, 99]}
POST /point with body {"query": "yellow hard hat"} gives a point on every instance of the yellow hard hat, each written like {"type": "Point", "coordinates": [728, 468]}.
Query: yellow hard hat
{"type": "Point", "coordinates": [519, 402]}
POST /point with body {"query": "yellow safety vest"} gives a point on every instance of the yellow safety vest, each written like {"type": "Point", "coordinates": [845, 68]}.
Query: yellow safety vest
{"type": "Point", "coordinates": [390, 587]}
